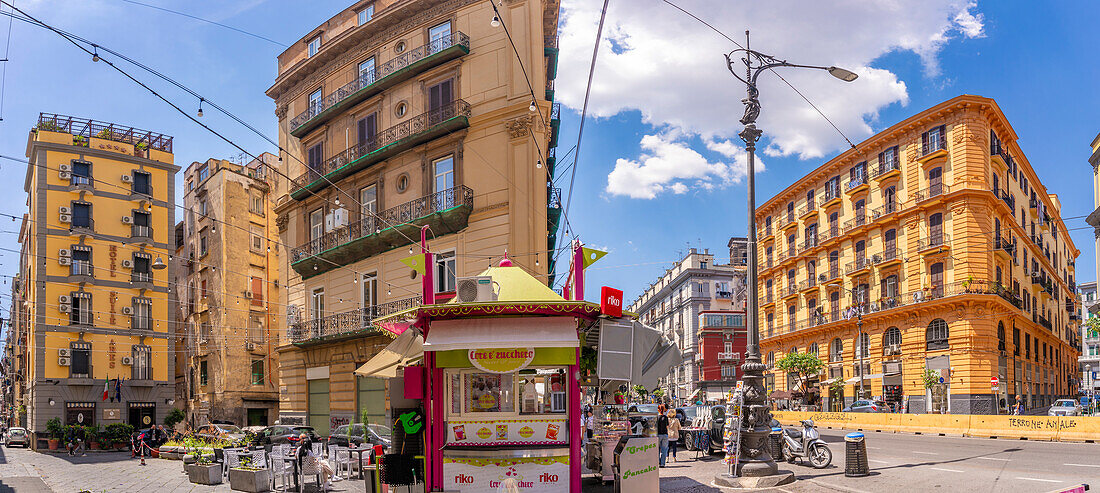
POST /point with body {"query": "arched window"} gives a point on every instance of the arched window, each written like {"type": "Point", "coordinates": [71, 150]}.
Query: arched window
{"type": "Point", "coordinates": [771, 358]}
{"type": "Point", "coordinates": [1001, 336]}
{"type": "Point", "coordinates": [812, 349]}
{"type": "Point", "coordinates": [937, 335]}
{"type": "Point", "coordinates": [864, 345]}
{"type": "Point", "coordinates": [792, 351]}
{"type": "Point", "coordinates": [891, 339]}
{"type": "Point", "coordinates": [837, 351]}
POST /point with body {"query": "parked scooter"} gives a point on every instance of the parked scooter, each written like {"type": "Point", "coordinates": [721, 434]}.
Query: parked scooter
{"type": "Point", "coordinates": [806, 443]}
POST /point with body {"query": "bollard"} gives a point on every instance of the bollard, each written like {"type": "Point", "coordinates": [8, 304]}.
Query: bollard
{"type": "Point", "coordinates": [855, 455]}
{"type": "Point", "coordinates": [775, 441]}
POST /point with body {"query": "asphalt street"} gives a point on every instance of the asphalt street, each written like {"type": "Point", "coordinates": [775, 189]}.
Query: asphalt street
{"type": "Point", "coordinates": [917, 463]}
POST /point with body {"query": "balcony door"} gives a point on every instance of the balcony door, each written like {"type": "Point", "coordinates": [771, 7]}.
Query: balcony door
{"type": "Point", "coordinates": [935, 182]}
{"type": "Point", "coordinates": [316, 224]}
{"type": "Point", "coordinates": [317, 310]}
{"type": "Point", "coordinates": [935, 274]}
{"type": "Point", "coordinates": [366, 72]}
{"type": "Point", "coordinates": [444, 181]}
{"type": "Point", "coordinates": [935, 229]}
{"type": "Point", "coordinates": [889, 241]}
{"type": "Point", "coordinates": [834, 220]}
{"type": "Point", "coordinates": [889, 197]}
{"type": "Point", "coordinates": [368, 207]}
{"type": "Point", "coordinates": [367, 129]}
{"type": "Point", "coordinates": [440, 37]}
{"type": "Point", "coordinates": [369, 296]}
{"type": "Point", "coordinates": [440, 97]}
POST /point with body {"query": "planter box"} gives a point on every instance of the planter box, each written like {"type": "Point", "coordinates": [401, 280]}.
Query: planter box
{"type": "Point", "coordinates": [204, 474]}
{"type": "Point", "coordinates": [251, 481]}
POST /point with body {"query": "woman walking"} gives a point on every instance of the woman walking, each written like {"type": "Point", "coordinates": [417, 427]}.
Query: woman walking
{"type": "Point", "coordinates": [673, 433]}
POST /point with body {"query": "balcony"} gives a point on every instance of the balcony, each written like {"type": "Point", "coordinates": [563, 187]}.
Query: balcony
{"type": "Point", "coordinates": [386, 144]}
{"type": "Point", "coordinates": [139, 232]}
{"type": "Point", "coordinates": [1033, 204]}
{"type": "Point", "coordinates": [807, 244]}
{"type": "Point", "coordinates": [934, 243]}
{"type": "Point", "coordinates": [886, 170]}
{"type": "Point", "coordinates": [790, 291]}
{"type": "Point", "coordinates": [883, 211]}
{"type": "Point", "coordinates": [808, 285]}
{"type": "Point", "coordinates": [855, 185]}
{"type": "Point", "coordinates": [1037, 279]}
{"type": "Point", "coordinates": [1004, 248]}
{"type": "Point", "coordinates": [828, 197]}
{"type": "Point", "coordinates": [933, 148]}
{"type": "Point", "coordinates": [859, 266]}
{"type": "Point", "coordinates": [855, 223]}
{"type": "Point", "coordinates": [723, 295]}
{"type": "Point", "coordinates": [445, 212]}
{"type": "Point", "coordinates": [997, 153]}
{"type": "Point", "coordinates": [831, 233]}
{"type": "Point", "coordinates": [931, 192]}
{"type": "Point", "coordinates": [87, 128]}
{"type": "Point", "coordinates": [553, 214]}
{"type": "Point", "coordinates": [397, 70]}
{"type": "Point", "coordinates": [888, 257]}
{"type": "Point", "coordinates": [555, 122]}
{"type": "Point", "coordinates": [141, 277]}
{"type": "Point", "coordinates": [1008, 199]}
{"type": "Point", "coordinates": [764, 233]}
{"type": "Point", "coordinates": [767, 299]}
{"type": "Point", "coordinates": [786, 220]}
{"type": "Point", "coordinates": [830, 275]}
{"type": "Point", "coordinates": [807, 211]}
{"type": "Point", "coordinates": [730, 356]}
{"type": "Point", "coordinates": [81, 268]}
{"type": "Point", "coordinates": [352, 323]}
{"type": "Point", "coordinates": [1045, 323]}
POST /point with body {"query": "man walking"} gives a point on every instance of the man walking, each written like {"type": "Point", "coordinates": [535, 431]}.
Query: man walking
{"type": "Point", "coordinates": [1018, 409]}
{"type": "Point", "coordinates": [662, 437]}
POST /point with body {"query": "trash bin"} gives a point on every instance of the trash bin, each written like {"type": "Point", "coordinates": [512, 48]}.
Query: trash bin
{"type": "Point", "coordinates": [775, 441]}
{"type": "Point", "coordinates": [855, 456]}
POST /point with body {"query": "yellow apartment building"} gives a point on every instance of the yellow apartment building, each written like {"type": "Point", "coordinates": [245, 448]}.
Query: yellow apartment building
{"type": "Point", "coordinates": [227, 275]}
{"type": "Point", "coordinates": [398, 114]}
{"type": "Point", "coordinates": [92, 275]}
{"type": "Point", "coordinates": [938, 235]}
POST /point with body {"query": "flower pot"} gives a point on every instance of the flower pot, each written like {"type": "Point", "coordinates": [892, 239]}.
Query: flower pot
{"type": "Point", "coordinates": [93, 445]}
{"type": "Point", "coordinates": [54, 442]}
{"type": "Point", "coordinates": [204, 473]}
{"type": "Point", "coordinates": [121, 445]}
{"type": "Point", "coordinates": [250, 480]}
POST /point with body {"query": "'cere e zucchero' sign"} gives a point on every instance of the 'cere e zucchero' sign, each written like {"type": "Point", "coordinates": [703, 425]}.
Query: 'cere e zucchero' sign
{"type": "Point", "coordinates": [501, 360]}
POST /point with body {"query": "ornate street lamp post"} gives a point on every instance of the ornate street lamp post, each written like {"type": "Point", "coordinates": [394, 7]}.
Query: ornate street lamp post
{"type": "Point", "coordinates": [756, 463]}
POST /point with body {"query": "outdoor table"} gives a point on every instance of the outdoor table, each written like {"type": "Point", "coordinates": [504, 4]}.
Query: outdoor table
{"type": "Point", "coordinates": [360, 451]}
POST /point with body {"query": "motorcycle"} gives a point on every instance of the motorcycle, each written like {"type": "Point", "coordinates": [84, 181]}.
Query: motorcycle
{"type": "Point", "coordinates": [806, 443]}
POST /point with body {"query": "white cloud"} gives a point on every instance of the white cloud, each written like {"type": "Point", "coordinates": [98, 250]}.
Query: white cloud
{"type": "Point", "coordinates": [669, 164]}
{"type": "Point", "coordinates": [658, 61]}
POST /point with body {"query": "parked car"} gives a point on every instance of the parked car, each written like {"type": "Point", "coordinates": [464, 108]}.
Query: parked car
{"type": "Point", "coordinates": [284, 434]}
{"type": "Point", "coordinates": [867, 406]}
{"type": "Point", "coordinates": [645, 413]}
{"type": "Point", "coordinates": [1065, 407]}
{"type": "Point", "coordinates": [372, 434]}
{"type": "Point", "coordinates": [219, 432]}
{"type": "Point", "coordinates": [17, 435]}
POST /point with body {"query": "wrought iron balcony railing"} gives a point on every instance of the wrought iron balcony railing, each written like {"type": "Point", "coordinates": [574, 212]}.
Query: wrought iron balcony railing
{"type": "Point", "coordinates": [857, 265]}
{"type": "Point", "coordinates": [888, 255]}
{"type": "Point", "coordinates": [856, 182]}
{"type": "Point", "coordinates": [1001, 243]}
{"type": "Point", "coordinates": [141, 277]}
{"type": "Point", "coordinates": [829, 233]}
{"type": "Point", "coordinates": [931, 145]}
{"type": "Point", "coordinates": [408, 128]}
{"type": "Point", "coordinates": [856, 222]}
{"type": "Point", "coordinates": [886, 167]}
{"type": "Point", "coordinates": [87, 128]}
{"type": "Point", "coordinates": [81, 268]}
{"type": "Point", "coordinates": [368, 78]}
{"type": "Point", "coordinates": [883, 210]}
{"type": "Point", "coordinates": [931, 192]}
{"type": "Point", "coordinates": [827, 195]}
{"type": "Point", "coordinates": [356, 320]}
{"type": "Point", "coordinates": [933, 241]}
{"type": "Point", "coordinates": [138, 231]}
{"type": "Point", "coordinates": [423, 206]}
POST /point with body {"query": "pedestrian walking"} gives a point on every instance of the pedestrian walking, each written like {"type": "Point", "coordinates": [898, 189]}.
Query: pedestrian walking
{"type": "Point", "coordinates": [589, 424]}
{"type": "Point", "coordinates": [662, 438]}
{"type": "Point", "coordinates": [673, 433]}
{"type": "Point", "coordinates": [1018, 409]}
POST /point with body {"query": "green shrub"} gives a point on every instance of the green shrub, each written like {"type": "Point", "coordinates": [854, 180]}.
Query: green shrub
{"type": "Point", "coordinates": [55, 429]}
{"type": "Point", "coordinates": [118, 432]}
{"type": "Point", "coordinates": [173, 418]}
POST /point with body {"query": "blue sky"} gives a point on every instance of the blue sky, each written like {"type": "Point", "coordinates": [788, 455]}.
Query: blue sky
{"type": "Point", "coordinates": [660, 75]}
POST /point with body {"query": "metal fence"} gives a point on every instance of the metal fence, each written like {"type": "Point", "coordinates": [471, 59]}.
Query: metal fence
{"type": "Point", "coordinates": [86, 127]}
{"type": "Point", "coordinates": [349, 321]}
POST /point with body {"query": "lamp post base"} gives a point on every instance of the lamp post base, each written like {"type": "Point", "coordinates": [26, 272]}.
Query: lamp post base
{"type": "Point", "coordinates": [729, 481]}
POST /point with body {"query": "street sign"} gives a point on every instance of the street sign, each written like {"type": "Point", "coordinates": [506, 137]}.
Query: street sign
{"type": "Point", "coordinates": [994, 382]}
{"type": "Point", "coordinates": [941, 379]}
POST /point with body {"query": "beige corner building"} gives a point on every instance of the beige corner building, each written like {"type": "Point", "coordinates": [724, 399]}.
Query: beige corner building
{"type": "Point", "coordinates": [952, 252]}
{"type": "Point", "coordinates": [227, 275]}
{"type": "Point", "coordinates": [397, 115]}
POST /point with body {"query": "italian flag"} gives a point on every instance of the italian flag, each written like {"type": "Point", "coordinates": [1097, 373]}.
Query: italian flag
{"type": "Point", "coordinates": [106, 388]}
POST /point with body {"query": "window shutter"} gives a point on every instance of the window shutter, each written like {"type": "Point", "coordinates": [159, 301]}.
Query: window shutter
{"type": "Point", "coordinates": [257, 291]}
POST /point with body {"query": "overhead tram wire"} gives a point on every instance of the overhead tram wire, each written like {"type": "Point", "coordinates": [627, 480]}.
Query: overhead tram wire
{"type": "Point", "coordinates": [4, 75]}
{"type": "Point", "coordinates": [814, 106]}
{"type": "Point", "coordinates": [208, 21]}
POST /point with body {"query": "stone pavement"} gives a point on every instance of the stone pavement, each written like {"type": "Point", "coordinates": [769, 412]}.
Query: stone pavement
{"type": "Point", "coordinates": [24, 470]}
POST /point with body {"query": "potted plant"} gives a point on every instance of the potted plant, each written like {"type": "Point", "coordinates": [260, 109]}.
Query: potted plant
{"type": "Point", "coordinates": [91, 437]}
{"type": "Point", "coordinates": [620, 397]}
{"type": "Point", "coordinates": [55, 431]}
{"type": "Point", "coordinates": [204, 470]}
{"type": "Point", "coordinates": [104, 134]}
{"type": "Point", "coordinates": [249, 477]}
{"type": "Point", "coordinates": [119, 435]}
{"type": "Point", "coordinates": [79, 140]}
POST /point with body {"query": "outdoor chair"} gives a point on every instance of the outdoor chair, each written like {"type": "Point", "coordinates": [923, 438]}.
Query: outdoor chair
{"type": "Point", "coordinates": [259, 459]}
{"type": "Point", "coordinates": [232, 459]}
{"type": "Point", "coordinates": [311, 466]}
{"type": "Point", "coordinates": [281, 470]}
{"type": "Point", "coordinates": [341, 458]}
{"type": "Point", "coordinates": [400, 470]}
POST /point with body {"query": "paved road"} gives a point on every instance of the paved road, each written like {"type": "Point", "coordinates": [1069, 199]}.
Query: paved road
{"type": "Point", "coordinates": [23, 470]}
{"type": "Point", "coordinates": [917, 463]}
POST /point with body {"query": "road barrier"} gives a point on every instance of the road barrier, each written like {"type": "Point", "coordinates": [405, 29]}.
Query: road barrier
{"type": "Point", "coordinates": [1065, 429]}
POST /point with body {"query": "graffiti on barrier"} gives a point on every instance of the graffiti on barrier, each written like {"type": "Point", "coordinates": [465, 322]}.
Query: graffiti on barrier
{"type": "Point", "coordinates": [1041, 424]}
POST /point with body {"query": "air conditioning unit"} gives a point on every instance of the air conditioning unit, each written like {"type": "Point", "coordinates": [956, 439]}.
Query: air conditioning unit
{"type": "Point", "coordinates": [64, 167]}
{"type": "Point", "coordinates": [248, 295]}
{"type": "Point", "coordinates": [127, 264]}
{"type": "Point", "coordinates": [127, 360]}
{"type": "Point", "coordinates": [64, 210]}
{"type": "Point", "coordinates": [64, 175]}
{"type": "Point", "coordinates": [63, 361]}
{"type": "Point", "coordinates": [64, 308]}
{"type": "Point", "coordinates": [339, 218]}
{"type": "Point", "coordinates": [474, 289]}
{"type": "Point", "coordinates": [66, 218]}
{"type": "Point", "coordinates": [127, 310]}
{"type": "Point", "coordinates": [127, 220]}
{"type": "Point", "coordinates": [64, 252]}
{"type": "Point", "coordinates": [65, 261]}
{"type": "Point", "coordinates": [127, 179]}
{"type": "Point", "coordinates": [249, 346]}
{"type": "Point", "coordinates": [63, 352]}
{"type": "Point", "coordinates": [64, 299]}
{"type": "Point", "coordinates": [894, 349]}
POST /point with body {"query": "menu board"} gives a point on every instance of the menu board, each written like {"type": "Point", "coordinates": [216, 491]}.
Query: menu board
{"type": "Point", "coordinates": [527, 475]}
{"type": "Point", "coordinates": [543, 431]}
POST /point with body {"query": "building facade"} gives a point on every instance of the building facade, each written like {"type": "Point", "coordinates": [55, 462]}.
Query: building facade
{"type": "Point", "coordinates": [94, 288]}
{"type": "Point", "coordinates": [399, 115]}
{"type": "Point", "coordinates": [676, 303]}
{"type": "Point", "coordinates": [1089, 361]}
{"type": "Point", "coordinates": [227, 277]}
{"type": "Point", "coordinates": [722, 341]}
{"type": "Point", "coordinates": [933, 246]}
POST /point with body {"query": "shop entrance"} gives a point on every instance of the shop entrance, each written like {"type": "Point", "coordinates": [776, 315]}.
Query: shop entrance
{"type": "Point", "coordinates": [142, 414]}
{"type": "Point", "coordinates": [318, 406]}
{"type": "Point", "coordinates": [257, 417]}
{"type": "Point", "coordinates": [80, 413]}
{"type": "Point", "coordinates": [836, 399]}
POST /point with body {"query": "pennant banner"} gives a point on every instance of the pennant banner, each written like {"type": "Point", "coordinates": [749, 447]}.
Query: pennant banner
{"type": "Point", "coordinates": [415, 262]}
{"type": "Point", "coordinates": [591, 255]}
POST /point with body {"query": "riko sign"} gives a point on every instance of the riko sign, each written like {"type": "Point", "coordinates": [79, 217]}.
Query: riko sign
{"type": "Point", "coordinates": [501, 360]}
{"type": "Point", "coordinates": [611, 302]}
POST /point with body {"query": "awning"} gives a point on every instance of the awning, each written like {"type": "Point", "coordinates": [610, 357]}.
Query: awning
{"type": "Point", "coordinates": [405, 349]}
{"type": "Point", "coordinates": [486, 333]}
{"type": "Point", "coordinates": [855, 379]}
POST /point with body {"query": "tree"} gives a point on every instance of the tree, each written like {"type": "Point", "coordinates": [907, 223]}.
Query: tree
{"type": "Point", "coordinates": [801, 364]}
{"type": "Point", "coordinates": [640, 391]}
{"type": "Point", "coordinates": [174, 416]}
